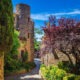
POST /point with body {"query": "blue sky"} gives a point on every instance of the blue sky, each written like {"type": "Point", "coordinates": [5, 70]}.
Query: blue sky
{"type": "Point", "coordinates": [42, 9]}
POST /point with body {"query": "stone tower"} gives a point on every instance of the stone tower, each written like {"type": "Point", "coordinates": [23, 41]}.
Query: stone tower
{"type": "Point", "coordinates": [25, 25]}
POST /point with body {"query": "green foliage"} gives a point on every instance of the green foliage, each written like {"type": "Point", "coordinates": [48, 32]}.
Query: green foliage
{"type": "Point", "coordinates": [42, 65]}
{"type": "Point", "coordinates": [16, 44]}
{"type": "Point", "coordinates": [65, 66]}
{"type": "Point", "coordinates": [25, 57]}
{"type": "Point", "coordinates": [29, 65]}
{"type": "Point", "coordinates": [69, 77]}
{"type": "Point", "coordinates": [52, 72]}
{"type": "Point", "coordinates": [36, 44]}
{"type": "Point", "coordinates": [11, 64]}
{"type": "Point", "coordinates": [11, 60]}
{"type": "Point", "coordinates": [6, 25]}
{"type": "Point", "coordinates": [37, 31]}
{"type": "Point", "coordinates": [77, 77]}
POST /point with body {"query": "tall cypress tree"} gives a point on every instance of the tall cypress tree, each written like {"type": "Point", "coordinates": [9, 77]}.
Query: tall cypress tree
{"type": "Point", "coordinates": [6, 25]}
{"type": "Point", "coordinates": [6, 31]}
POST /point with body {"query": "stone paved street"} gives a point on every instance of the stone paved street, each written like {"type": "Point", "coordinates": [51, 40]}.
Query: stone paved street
{"type": "Point", "coordinates": [33, 75]}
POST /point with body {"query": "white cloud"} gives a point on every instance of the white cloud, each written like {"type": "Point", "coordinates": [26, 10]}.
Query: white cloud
{"type": "Point", "coordinates": [39, 16]}
{"type": "Point", "coordinates": [39, 37]}
{"type": "Point", "coordinates": [46, 15]}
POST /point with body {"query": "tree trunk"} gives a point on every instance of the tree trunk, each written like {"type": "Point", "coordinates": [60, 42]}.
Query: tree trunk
{"type": "Point", "coordinates": [67, 54]}
{"type": "Point", "coordinates": [69, 59]}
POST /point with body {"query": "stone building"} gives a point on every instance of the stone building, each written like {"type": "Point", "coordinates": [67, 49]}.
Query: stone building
{"type": "Point", "coordinates": [25, 26]}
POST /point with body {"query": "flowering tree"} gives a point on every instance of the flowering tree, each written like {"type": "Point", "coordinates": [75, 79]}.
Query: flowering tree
{"type": "Point", "coordinates": [63, 34]}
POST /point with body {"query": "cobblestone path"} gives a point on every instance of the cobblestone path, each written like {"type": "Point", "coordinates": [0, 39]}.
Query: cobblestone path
{"type": "Point", "coordinates": [33, 75]}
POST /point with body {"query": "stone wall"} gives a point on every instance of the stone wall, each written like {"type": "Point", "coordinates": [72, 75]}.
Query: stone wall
{"type": "Point", "coordinates": [2, 67]}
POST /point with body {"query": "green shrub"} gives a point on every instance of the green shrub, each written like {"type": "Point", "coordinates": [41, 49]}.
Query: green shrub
{"type": "Point", "coordinates": [65, 66]}
{"type": "Point", "coordinates": [52, 72]}
{"type": "Point", "coordinates": [77, 78]}
{"type": "Point", "coordinates": [69, 77]}
{"type": "Point", "coordinates": [11, 60]}
{"type": "Point", "coordinates": [60, 74]}
{"type": "Point", "coordinates": [25, 57]}
{"type": "Point", "coordinates": [42, 65]}
{"type": "Point", "coordinates": [43, 70]}
{"type": "Point", "coordinates": [29, 65]}
{"type": "Point", "coordinates": [12, 65]}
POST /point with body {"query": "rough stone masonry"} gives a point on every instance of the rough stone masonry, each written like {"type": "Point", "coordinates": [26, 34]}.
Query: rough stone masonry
{"type": "Point", "coordinates": [25, 26]}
